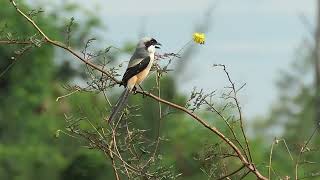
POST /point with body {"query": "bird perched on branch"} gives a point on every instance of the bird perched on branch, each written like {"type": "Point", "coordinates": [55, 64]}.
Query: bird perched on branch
{"type": "Point", "coordinates": [138, 69]}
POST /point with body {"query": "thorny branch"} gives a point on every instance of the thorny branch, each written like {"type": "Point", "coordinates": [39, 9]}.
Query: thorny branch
{"type": "Point", "coordinates": [110, 148]}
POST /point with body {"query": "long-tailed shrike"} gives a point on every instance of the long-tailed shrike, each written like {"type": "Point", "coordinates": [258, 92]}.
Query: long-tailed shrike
{"type": "Point", "coordinates": [138, 69]}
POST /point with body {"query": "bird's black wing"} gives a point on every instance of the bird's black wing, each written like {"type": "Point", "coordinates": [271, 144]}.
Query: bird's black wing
{"type": "Point", "coordinates": [132, 71]}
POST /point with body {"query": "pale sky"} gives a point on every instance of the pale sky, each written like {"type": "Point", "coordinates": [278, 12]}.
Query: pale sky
{"type": "Point", "coordinates": [254, 38]}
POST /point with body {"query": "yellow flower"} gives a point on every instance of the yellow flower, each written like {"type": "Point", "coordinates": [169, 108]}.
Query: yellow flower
{"type": "Point", "coordinates": [199, 38]}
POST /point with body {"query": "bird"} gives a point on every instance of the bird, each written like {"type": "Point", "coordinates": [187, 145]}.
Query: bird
{"type": "Point", "coordinates": [137, 70]}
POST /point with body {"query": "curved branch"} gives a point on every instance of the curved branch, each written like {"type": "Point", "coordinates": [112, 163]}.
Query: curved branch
{"type": "Point", "coordinates": [242, 157]}
{"type": "Point", "coordinates": [245, 162]}
{"type": "Point", "coordinates": [61, 45]}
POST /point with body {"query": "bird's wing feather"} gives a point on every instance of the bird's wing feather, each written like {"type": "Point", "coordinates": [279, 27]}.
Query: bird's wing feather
{"type": "Point", "coordinates": [134, 70]}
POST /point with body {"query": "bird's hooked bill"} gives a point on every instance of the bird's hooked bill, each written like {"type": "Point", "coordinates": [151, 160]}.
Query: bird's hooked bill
{"type": "Point", "coordinates": [157, 45]}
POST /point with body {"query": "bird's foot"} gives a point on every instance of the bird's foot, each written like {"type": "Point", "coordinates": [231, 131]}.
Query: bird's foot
{"type": "Point", "coordinates": [143, 92]}
{"type": "Point", "coordinates": [134, 90]}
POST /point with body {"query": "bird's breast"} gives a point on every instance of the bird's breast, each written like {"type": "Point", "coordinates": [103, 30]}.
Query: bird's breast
{"type": "Point", "coordinates": [144, 73]}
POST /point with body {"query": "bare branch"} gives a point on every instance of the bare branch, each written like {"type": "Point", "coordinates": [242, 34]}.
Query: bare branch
{"type": "Point", "coordinates": [61, 45]}
{"type": "Point", "coordinates": [112, 147]}
{"type": "Point", "coordinates": [243, 159]}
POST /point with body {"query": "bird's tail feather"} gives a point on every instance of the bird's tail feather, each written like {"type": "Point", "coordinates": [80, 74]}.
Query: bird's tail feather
{"type": "Point", "coordinates": [121, 103]}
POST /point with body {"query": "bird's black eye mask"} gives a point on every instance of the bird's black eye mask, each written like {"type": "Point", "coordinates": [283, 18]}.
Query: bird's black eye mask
{"type": "Point", "coordinates": [152, 42]}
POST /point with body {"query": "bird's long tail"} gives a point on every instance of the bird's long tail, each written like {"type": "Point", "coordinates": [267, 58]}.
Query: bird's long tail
{"type": "Point", "coordinates": [121, 103]}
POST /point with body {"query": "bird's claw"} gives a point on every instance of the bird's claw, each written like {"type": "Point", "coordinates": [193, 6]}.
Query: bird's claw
{"type": "Point", "coordinates": [134, 90]}
{"type": "Point", "coordinates": [143, 92]}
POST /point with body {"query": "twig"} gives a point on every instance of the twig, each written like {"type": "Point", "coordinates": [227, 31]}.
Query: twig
{"type": "Point", "coordinates": [245, 174]}
{"type": "Point", "coordinates": [61, 45]}
{"type": "Point", "coordinates": [270, 158]}
{"type": "Point", "coordinates": [15, 42]}
{"type": "Point", "coordinates": [234, 172]}
{"type": "Point", "coordinates": [226, 121]}
{"type": "Point", "coordinates": [243, 159]}
{"type": "Point", "coordinates": [160, 114]}
{"type": "Point", "coordinates": [113, 165]}
{"type": "Point", "coordinates": [302, 150]}
{"type": "Point", "coordinates": [276, 141]}
{"type": "Point", "coordinates": [66, 95]}
{"type": "Point", "coordinates": [238, 107]}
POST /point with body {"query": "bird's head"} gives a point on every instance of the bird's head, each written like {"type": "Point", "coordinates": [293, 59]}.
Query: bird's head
{"type": "Point", "coordinates": [149, 44]}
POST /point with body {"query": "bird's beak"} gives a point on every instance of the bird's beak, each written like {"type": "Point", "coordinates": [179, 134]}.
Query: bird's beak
{"type": "Point", "coordinates": [157, 45]}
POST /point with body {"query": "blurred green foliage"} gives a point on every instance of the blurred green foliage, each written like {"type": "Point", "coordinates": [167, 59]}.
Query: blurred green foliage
{"type": "Point", "coordinates": [29, 115]}
{"type": "Point", "coordinates": [292, 120]}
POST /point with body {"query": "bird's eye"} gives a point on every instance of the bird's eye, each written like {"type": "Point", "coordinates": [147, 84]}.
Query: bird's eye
{"type": "Point", "coordinates": [149, 43]}
{"type": "Point", "coordinates": [153, 41]}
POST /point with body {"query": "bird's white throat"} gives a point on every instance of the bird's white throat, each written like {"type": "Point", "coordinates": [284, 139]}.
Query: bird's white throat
{"type": "Point", "coordinates": [151, 49]}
